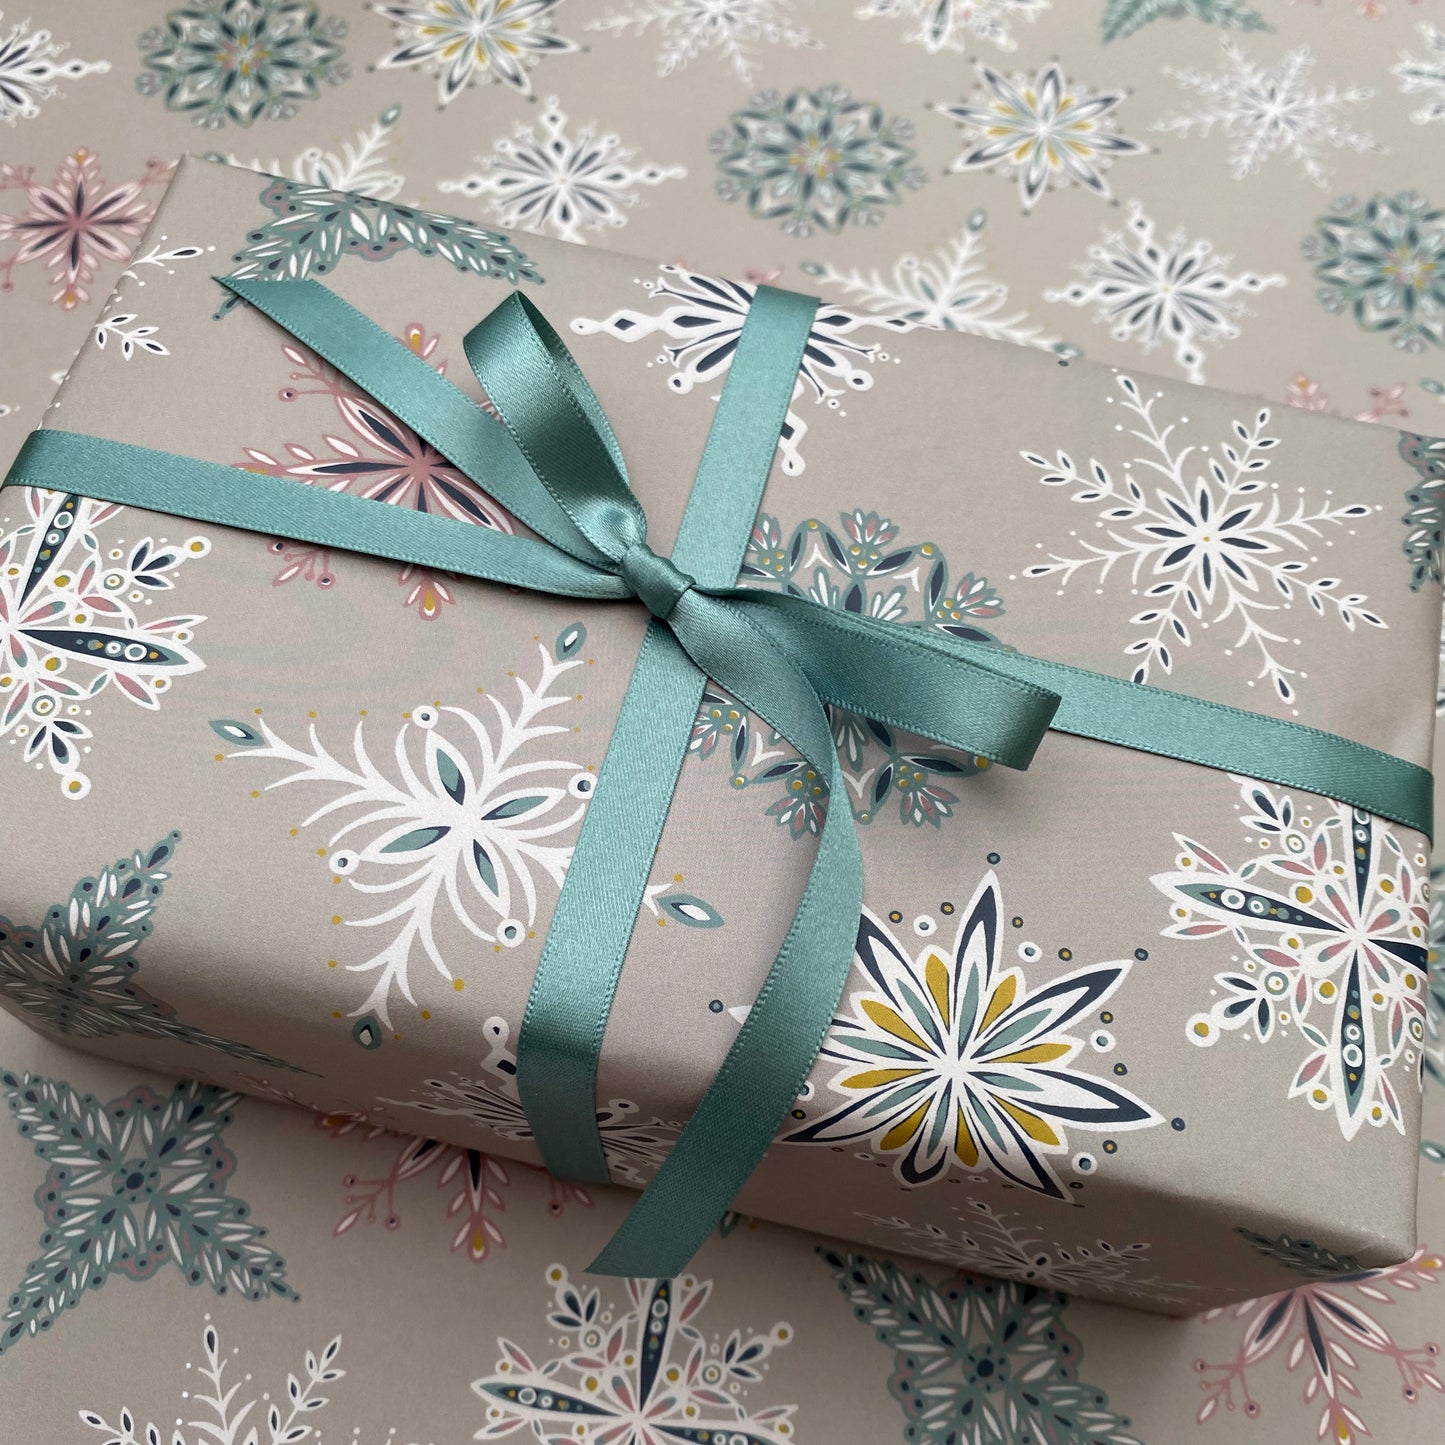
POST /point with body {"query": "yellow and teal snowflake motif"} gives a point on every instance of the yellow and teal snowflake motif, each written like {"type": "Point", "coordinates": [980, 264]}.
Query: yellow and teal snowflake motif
{"type": "Point", "coordinates": [476, 814]}
{"type": "Point", "coordinates": [816, 160]}
{"type": "Point", "coordinates": [952, 1060]}
{"type": "Point", "coordinates": [75, 975]}
{"type": "Point", "coordinates": [72, 625]}
{"type": "Point", "coordinates": [645, 1375]}
{"type": "Point", "coordinates": [861, 567]}
{"type": "Point", "coordinates": [1333, 917]}
{"type": "Point", "coordinates": [1382, 261]}
{"type": "Point", "coordinates": [241, 60]}
{"type": "Point", "coordinates": [979, 1361]}
{"type": "Point", "coordinates": [133, 1185]}
{"type": "Point", "coordinates": [463, 42]}
{"type": "Point", "coordinates": [1425, 541]}
{"type": "Point", "coordinates": [1048, 131]}
{"type": "Point", "coordinates": [311, 228]}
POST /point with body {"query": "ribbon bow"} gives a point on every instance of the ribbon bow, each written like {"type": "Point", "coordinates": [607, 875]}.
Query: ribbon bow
{"type": "Point", "coordinates": [556, 465]}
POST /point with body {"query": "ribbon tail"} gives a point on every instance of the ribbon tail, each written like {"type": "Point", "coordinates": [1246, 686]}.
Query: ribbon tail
{"type": "Point", "coordinates": [769, 1062]}
{"type": "Point", "coordinates": [918, 681]}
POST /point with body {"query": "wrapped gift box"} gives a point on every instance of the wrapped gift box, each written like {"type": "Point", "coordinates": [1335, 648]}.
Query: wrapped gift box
{"type": "Point", "coordinates": [1190, 1003]}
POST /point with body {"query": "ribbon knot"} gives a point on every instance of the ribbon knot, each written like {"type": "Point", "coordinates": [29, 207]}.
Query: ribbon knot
{"type": "Point", "coordinates": [655, 580]}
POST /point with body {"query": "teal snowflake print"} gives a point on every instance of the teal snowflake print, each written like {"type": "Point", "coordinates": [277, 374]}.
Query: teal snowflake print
{"type": "Point", "coordinates": [1382, 261]}
{"type": "Point", "coordinates": [815, 160]}
{"type": "Point", "coordinates": [133, 1185]}
{"type": "Point", "coordinates": [955, 1060]}
{"type": "Point", "coordinates": [1303, 1256]}
{"type": "Point", "coordinates": [1425, 540]}
{"type": "Point", "coordinates": [1123, 17]}
{"type": "Point", "coordinates": [311, 228]}
{"type": "Point", "coordinates": [241, 60]}
{"type": "Point", "coordinates": [75, 974]}
{"type": "Point", "coordinates": [979, 1361]}
{"type": "Point", "coordinates": [861, 567]}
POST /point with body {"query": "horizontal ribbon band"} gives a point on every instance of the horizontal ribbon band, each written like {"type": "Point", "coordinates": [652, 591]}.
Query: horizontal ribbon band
{"type": "Point", "coordinates": [1091, 705]}
{"type": "Point", "coordinates": [556, 465]}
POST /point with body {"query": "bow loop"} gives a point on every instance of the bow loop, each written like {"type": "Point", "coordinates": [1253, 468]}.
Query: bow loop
{"type": "Point", "coordinates": [655, 580]}
{"type": "Point", "coordinates": [557, 423]}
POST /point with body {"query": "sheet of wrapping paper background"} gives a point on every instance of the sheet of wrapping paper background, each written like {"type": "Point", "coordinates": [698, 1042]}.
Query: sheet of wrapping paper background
{"type": "Point", "coordinates": [1208, 189]}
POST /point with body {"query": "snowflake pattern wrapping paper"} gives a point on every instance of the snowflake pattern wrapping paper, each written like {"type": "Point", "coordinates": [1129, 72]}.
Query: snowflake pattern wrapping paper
{"type": "Point", "coordinates": [1270, 227]}
{"type": "Point", "coordinates": [411, 761]}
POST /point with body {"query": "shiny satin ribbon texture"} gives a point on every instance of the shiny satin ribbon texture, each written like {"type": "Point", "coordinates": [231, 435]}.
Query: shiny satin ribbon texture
{"type": "Point", "coordinates": [555, 464]}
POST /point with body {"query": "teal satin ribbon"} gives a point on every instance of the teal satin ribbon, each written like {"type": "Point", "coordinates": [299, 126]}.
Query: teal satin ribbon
{"type": "Point", "coordinates": [556, 466]}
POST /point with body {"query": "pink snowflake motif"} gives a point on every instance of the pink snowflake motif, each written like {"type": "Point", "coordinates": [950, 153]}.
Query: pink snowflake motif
{"type": "Point", "coordinates": [309, 563]}
{"type": "Point", "coordinates": [479, 1178]}
{"type": "Point", "coordinates": [475, 1178]}
{"type": "Point", "coordinates": [1325, 1323]}
{"type": "Point", "coordinates": [75, 223]}
{"type": "Point", "coordinates": [1385, 401]}
{"type": "Point", "coordinates": [382, 459]}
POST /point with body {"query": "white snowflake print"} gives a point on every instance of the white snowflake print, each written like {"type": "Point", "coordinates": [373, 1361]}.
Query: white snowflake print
{"type": "Point", "coordinates": [123, 331]}
{"type": "Point", "coordinates": [644, 1375]}
{"type": "Point", "coordinates": [945, 24]}
{"type": "Point", "coordinates": [1046, 130]}
{"type": "Point", "coordinates": [463, 42]}
{"type": "Point", "coordinates": [30, 64]}
{"type": "Point", "coordinates": [1221, 543]}
{"type": "Point", "coordinates": [687, 28]}
{"type": "Point", "coordinates": [232, 1409]}
{"type": "Point", "coordinates": [987, 1243]}
{"type": "Point", "coordinates": [1177, 292]}
{"type": "Point", "coordinates": [633, 1147]}
{"type": "Point", "coordinates": [360, 165]}
{"type": "Point", "coordinates": [464, 829]}
{"type": "Point", "coordinates": [559, 185]}
{"type": "Point", "coordinates": [702, 318]}
{"type": "Point", "coordinates": [73, 624]}
{"type": "Point", "coordinates": [1425, 76]}
{"type": "Point", "coordinates": [1269, 110]}
{"type": "Point", "coordinates": [951, 290]}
